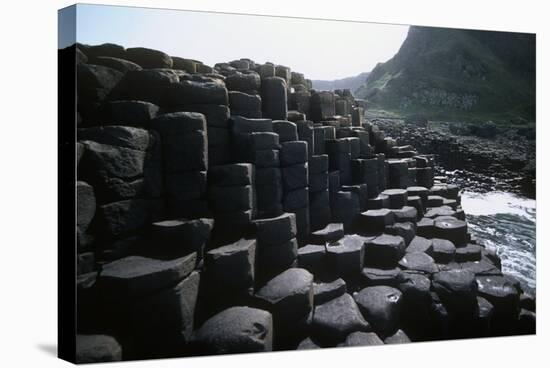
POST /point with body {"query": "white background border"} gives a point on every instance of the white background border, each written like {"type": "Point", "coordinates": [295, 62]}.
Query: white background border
{"type": "Point", "coordinates": [28, 209]}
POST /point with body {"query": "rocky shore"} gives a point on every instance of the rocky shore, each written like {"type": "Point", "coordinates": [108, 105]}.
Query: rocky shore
{"type": "Point", "coordinates": [482, 157]}
{"type": "Point", "coordinates": [232, 208]}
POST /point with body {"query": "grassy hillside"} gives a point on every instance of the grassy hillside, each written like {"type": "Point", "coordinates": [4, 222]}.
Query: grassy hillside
{"type": "Point", "coordinates": [457, 75]}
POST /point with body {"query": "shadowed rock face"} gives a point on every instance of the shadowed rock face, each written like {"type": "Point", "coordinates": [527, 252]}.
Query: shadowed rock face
{"type": "Point", "coordinates": [201, 190]}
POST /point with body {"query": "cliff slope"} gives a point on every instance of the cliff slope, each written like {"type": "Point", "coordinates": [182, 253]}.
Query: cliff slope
{"type": "Point", "coordinates": [458, 74]}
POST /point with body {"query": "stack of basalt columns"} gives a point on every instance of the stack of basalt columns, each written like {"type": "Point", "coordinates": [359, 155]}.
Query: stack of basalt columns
{"type": "Point", "coordinates": [344, 205]}
{"type": "Point", "coordinates": [231, 198]}
{"type": "Point", "coordinates": [199, 215]}
{"type": "Point", "coordinates": [294, 167]}
{"type": "Point", "coordinates": [244, 93]}
{"type": "Point", "coordinates": [185, 161]}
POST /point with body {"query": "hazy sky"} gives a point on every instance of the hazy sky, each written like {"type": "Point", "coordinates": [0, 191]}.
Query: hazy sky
{"type": "Point", "coordinates": [320, 49]}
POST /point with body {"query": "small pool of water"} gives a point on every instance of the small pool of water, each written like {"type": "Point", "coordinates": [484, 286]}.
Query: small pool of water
{"type": "Point", "coordinates": [506, 222]}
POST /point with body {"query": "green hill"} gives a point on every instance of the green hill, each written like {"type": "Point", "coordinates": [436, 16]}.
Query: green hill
{"type": "Point", "coordinates": [457, 74]}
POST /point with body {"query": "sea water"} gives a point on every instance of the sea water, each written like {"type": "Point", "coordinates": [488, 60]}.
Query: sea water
{"type": "Point", "coordinates": [507, 223]}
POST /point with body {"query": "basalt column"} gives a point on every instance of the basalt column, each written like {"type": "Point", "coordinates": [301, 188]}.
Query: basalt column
{"type": "Point", "coordinates": [294, 166]}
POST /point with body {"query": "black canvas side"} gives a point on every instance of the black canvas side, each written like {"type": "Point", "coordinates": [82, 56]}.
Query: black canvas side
{"type": "Point", "coordinates": [66, 190]}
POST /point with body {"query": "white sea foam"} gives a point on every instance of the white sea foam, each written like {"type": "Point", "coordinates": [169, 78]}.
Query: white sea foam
{"type": "Point", "coordinates": [497, 202]}
{"type": "Point", "coordinates": [507, 223]}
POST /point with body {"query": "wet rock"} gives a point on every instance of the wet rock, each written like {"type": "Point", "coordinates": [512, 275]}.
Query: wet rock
{"type": "Point", "coordinates": [443, 251]}
{"type": "Point", "coordinates": [375, 221]}
{"type": "Point", "coordinates": [330, 233]}
{"type": "Point", "coordinates": [451, 229]}
{"type": "Point", "coordinates": [247, 105]}
{"type": "Point", "coordinates": [136, 275]}
{"type": "Point", "coordinates": [163, 333]}
{"type": "Point", "coordinates": [288, 132]}
{"type": "Point", "coordinates": [181, 237]}
{"type": "Point", "coordinates": [378, 202]}
{"type": "Point", "coordinates": [274, 259]}
{"type": "Point", "coordinates": [362, 339]}
{"type": "Point", "coordinates": [242, 125]}
{"type": "Point", "coordinates": [420, 244]}
{"type": "Point", "coordinates": [96, 77]}
{"type": "Point", "coordinates": [270, 158]}
{"type": "Point", "coordinates": [398, 174]}
{"type": "Point", "coordinates": [293, 153]}
{"type": "Point", "coordinates": [406, 230]}
{"type": "Point", "coordinates": [230, 199]}
{"type": "Point", "coordinates": [189, 92]}
{"type": "Point", "coordinates": [86, 205]}
{"type": "Point", "coordinates": [416, 202]}
{"type": "Point", "coordinates": [334, 320]}
{"type": "Point", "coordinates": [231, 267]}
{"type": "Point", "coordinates": [295, 176]}
{"type": "Point", "coordinates": [381, 306]}
{"type": "Point", "coordinates": [187, 65]}
{"type": "Point", "coordinates": [184, 141]}
{"type": "Point", "coordinates": [230, 175]}
{"type": "Point", "coordinates": [322, 105]}
{"type": "Point", "coordinates": [435, 212]}
{"type": "Point", "coordinates": [111, 168]}
{"type": "Point", "coordinates": [85, 263]}
{"type": "Point", "coordinates": [484, 316]}
{"type": "Point", "coordinates": [334, 181]}
{"type": "Point", "coordinates": [434, 201]}
{"type": "Point", "coordinates": [319, 209]}
{"type": "Point", "coordinates": [384, 251]}
{"type": "Point", "coordinates": [527, 322]}
{"type": "Point", "coordinates": [345, 207]}
{"type": "Point", "coordinates": [264, 141]}
{"type": "Point", "coordinates": [276, 230]}
{"type": "Point", "coordinates": [307, 344]}
{"type": "Point", "coordinates": [421, 192]}
{"type": "Point", "coordinates": [425, 228]}
{"type": "Point", "coordinates": [243, 82]}
{"type": "Point", "coordinates": [97, 349]}
{"type": "Point", "coordinates": [482, 267]}
{"type": "Point", "coordinates": [325, 292]}
{"type": "Point", "coordinates": [318, 164]}
{"type": "Point", "coordinates": [469, 253]}
{"type": "Point", "coordinates": [121, 65]}
{"type": "Point", "coordinates": [399, 337]}
{"type": "Point", "coordinates": [295, 200]}
{"type": "Point", "coordinates": [288, 295]}
{"type": "Point", "coordinates": [274, 98]}
{"type": "Point", "coordinates": [305, 133]}
{"type": "Point", "coordinates": [144, 85]}
{"type": "Point", "coordinates": [121, 218]}
{"type": "Point", "coordinates": [346, 256]}
{"type": "Point", "coordinates": [416, 293]}
{"type": "Point", "coordinates": [235, 330]}
{"type": "Point", "coordinates": [528, 302]}
{"type": "Point", "coordinates": [105, 49]}
{"type": "Point", "coordinates": [405, 214]}
{"type": "Point", "coordinates": [283, 72]}
{"type": "Point", "coordinates": [420, 262]}
{"type": "Point", "coordinates": [504, 297]}
{"type": "Point", "coordinates": [378, 276]}
{"type": "Point", "coordinates": [312, 258]}
{"type": "Point", "coordinates": [397, 197]}
{"type": "Point", "coordinates": [457, 290]}
{"type": "Point", "coordinates": [361, 191]}
{"type": "Point", "coordinates": [148, 58]}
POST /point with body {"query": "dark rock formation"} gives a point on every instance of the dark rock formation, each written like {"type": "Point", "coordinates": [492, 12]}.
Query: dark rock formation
{"type": "Point", "coordinates": [201, 189]}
